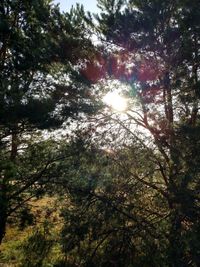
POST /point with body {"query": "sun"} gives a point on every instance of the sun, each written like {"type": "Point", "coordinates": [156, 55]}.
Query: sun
{"type": "Point", "coordinates": [114, 100]}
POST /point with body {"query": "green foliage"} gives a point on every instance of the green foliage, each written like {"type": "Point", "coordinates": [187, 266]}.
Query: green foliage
{"type": "Point", "coordinates": [161, 39]}
{"type": "Point", "coordinates": [105, 222]}
{"type": "Point", "coordinates": [36, 248]}
{"type": "Point", "coordinates": [38, 37]}
{"type": "Point", "coordinates": [40, 89]}
{"type": "Point", "coordinates": [127, 184]}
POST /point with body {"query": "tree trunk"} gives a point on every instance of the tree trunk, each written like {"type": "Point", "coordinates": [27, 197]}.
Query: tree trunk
{"type": "Point", "coordinates": [176, 246]}
{"type": "Point", "coordinates": [14, 145]}
{"type": "Point", "coordinates": [3, 211]}
{"type": "Point", "coordinates": [4, 187]}
{"type": "Point", "coordinates": [3, 220]}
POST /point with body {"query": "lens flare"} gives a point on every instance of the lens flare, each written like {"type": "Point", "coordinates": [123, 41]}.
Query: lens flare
{"type": "Point", "coordinates": [115, 101]}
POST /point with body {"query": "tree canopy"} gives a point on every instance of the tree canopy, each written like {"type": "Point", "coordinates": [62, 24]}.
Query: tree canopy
{"type": "Point", "coordinates": [125, 184]}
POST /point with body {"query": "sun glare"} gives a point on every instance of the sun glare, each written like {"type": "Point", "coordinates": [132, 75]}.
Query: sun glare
{"type": "Point", "coordinates": [114, 100]}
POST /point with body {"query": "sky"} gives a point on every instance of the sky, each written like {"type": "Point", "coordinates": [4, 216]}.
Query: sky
{"type": "Point", "coordinates": [89, 5]}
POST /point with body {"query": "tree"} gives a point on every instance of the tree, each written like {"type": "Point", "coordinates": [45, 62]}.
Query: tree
{"type": "Point", "coordinates": [162, 41]}
{"type": "Point", "coordinates": [132, 179]}
{"type": "Point", "coordinates": [156, 44]}
{"type": "Point", "coordinates": [110, 208]}
{"type": "Point", "coordinates": [40, 89]}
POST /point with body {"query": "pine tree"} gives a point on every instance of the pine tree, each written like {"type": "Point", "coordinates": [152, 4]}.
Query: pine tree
{"type": "Point", "coordinates": [160, 41]}
{"type": "Point", "coordinates": [40, 88]}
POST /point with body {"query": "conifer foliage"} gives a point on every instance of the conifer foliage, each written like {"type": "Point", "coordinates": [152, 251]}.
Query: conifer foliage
{"type": "Point", "coordinates": [39, 48]}
{"type": "Point", "coordinates": [127, 183]}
